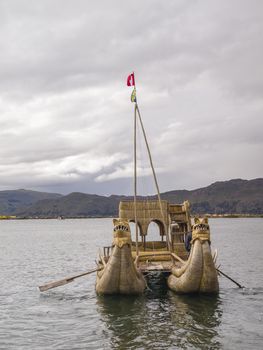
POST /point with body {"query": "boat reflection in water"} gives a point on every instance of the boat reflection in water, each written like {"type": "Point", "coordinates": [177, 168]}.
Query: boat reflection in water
{"type": "Point", "coordinates": [160, 319]}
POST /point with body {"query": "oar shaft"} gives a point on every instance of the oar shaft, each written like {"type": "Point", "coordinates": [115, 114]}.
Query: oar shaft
{"type": "Point", "coordinates": [231, 279]}
{"type": "Point", "coordinates": [64, 281]}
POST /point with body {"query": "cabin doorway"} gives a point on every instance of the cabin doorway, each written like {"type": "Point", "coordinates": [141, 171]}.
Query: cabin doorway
{"type": "Point", "coordinates": [155, 231]}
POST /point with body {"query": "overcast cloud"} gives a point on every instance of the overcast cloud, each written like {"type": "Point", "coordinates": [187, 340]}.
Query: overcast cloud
{"type": "Point", "coordinates": [66, 120]}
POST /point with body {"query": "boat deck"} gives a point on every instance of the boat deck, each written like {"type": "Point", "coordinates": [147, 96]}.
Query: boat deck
{"type": "Point", "coordinates": [162, 266]}
{"type": "Point", "coordinates": [158, 261]}
{"type": "Point", "coordinates": [153, 260]}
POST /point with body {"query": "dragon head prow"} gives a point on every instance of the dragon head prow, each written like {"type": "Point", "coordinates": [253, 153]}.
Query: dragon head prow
{"type": "Point", "coordinates": [121, 232]}
{"type": "Point", "coordinates": [201, 229]}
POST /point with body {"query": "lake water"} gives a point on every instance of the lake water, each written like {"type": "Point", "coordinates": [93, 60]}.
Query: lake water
{"type": "Point", "coordinates": [34, 252]}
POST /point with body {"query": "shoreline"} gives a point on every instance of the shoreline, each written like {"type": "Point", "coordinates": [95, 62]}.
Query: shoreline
{"type": "Point", "coordinates": [232, 216]}
{"type": "Point", "coordinates": [210, 216]}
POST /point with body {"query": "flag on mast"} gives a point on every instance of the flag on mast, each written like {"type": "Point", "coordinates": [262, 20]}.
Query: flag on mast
{"type": "Point", "coordinates": [131, 80]}
{"type": "Point", "coordinates": [133, 95]}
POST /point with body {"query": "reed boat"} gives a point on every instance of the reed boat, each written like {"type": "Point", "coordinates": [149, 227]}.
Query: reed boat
{"type": "Point", "coordinates": [122, 267]}
{"type": "Point", "coordinates": [182, 255]}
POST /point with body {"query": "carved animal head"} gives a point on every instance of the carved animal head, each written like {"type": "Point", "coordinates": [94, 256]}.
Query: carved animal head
{"type": "Point", "coordinates": [121, 232]}
{"type": "Point", "coordinates": [201, 229]}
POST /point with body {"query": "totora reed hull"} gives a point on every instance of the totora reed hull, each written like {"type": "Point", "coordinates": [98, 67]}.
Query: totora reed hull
{"type": "Point", "coordinates": [119, 274]}
{"type": "Point", "coordinates": [198, 274]}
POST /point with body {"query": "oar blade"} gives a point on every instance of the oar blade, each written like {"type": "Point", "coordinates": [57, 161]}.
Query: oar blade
{"type": "Point", "coordinates": [55, 284]}
{"type": "Point", "coordinates": [67, 280]}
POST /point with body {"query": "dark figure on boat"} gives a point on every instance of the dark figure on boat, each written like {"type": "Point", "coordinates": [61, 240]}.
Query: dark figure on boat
{"type": "Point", "coordinates": [187, 241]}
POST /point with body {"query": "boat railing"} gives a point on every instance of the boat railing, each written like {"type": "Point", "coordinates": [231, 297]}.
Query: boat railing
{"type": "Point", "coordinates": [178, 237]}
{"type": "Point", "coordinates": [173, 256]}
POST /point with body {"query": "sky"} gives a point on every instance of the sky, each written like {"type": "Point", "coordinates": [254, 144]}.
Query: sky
{"type": "Point", "coordinates": [66, 119]}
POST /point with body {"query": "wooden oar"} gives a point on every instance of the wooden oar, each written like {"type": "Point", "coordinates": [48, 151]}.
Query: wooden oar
{"type": "Point", "coordinates": [66, 280]}
{"type": "Point", "coordinates": [231, 279]}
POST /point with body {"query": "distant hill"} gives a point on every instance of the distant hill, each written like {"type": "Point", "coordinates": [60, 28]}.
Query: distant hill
{"type": "Point", "coordinates": [226, 197]}
{"type": "Point", "coordinates": [11, 200]}
{"type": "Point", "coordinates": [73, 205]}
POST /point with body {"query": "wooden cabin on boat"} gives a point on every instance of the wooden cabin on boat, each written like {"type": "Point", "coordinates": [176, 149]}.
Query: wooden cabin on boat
{"type": "Point", "coordinates": [173, 221]}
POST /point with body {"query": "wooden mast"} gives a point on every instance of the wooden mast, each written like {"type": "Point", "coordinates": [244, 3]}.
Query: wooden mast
{"type": "Point", "coordinates": [136, 109]}
{"type": "Point", "coordinates": [135, 181]}
{"type": "Point", "coordinates": [135, 174]}
{"type": "Point", "coordinates": [154, 175]}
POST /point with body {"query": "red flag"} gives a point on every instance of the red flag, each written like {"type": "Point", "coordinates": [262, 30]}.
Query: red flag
{"type": "Point", "coordinates": [131, 80]}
